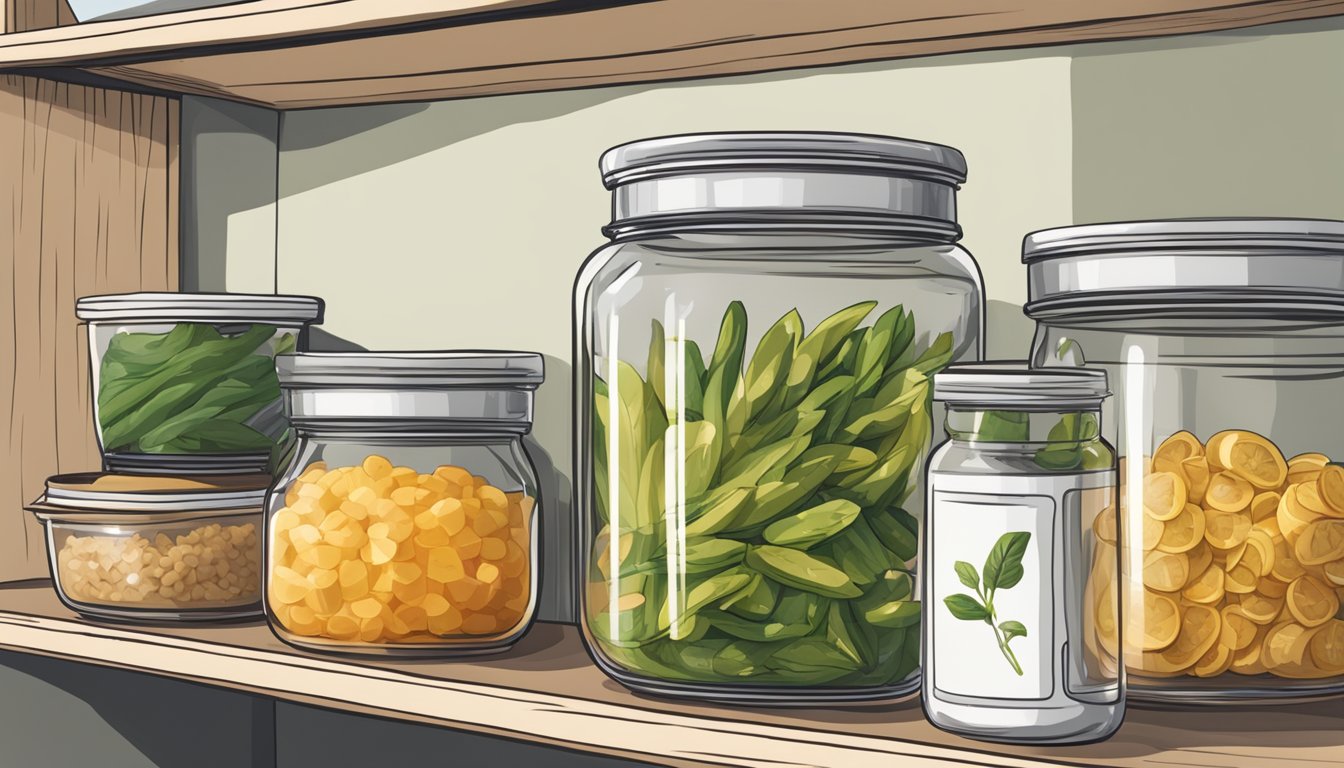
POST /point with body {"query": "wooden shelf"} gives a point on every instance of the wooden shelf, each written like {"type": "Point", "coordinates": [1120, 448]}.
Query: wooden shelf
{"type": "Point", "coordinates": [292, 54]}
{"type": "Point", "coordinates": [547, 690]}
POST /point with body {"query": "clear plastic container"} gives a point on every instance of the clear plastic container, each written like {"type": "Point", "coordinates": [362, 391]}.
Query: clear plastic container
{"type": "Point", "coordinates": [136, 548]}
{"type": "Point", "coordinates": [185, 383]}
{"type": "Point", "coordinates": [406, 519]}
{"type": "Point", "coordinates": [1021, 630]}
{"type": "Point", "coordinates": [1224, 341]}
{"type": "Point", "coordinates": [752, 358]}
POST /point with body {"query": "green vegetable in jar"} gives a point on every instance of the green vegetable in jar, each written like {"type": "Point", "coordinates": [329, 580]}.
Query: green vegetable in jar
{"type": "Point", "coordinates": [190, 390]}
{"type": "Point", "coordinates": [753, 501]}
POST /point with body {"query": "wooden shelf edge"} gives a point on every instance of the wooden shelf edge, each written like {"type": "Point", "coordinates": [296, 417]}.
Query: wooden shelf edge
{"type": "Point", "coordinates": [547, 691]}
{"type": "Point", "coordinates": [236, 25]}
{"type": "Point", "coordinates": [299, 54]}
{"type": "Point", "coordinates": [551, 718]}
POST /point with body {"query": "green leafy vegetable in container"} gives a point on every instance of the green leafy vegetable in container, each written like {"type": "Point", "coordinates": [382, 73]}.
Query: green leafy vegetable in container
{"type": "Point", "coordinates": [190, 390]}
{"type": "Point", "coordinates": [749, 507]}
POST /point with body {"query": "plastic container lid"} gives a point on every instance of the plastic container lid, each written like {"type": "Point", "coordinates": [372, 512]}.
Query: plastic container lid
{"type": "Point", "coordinates": [1286, 268]}
{"type": "Point", "coordinates": [701, 152]}
{"type": "Point", "coordinates": [373, 390]}
{"type": "Point", "coordinates": [201, 307]}
{"type": "Point", "coordinates": [110, 495]}
{"type": "Point", "coordinates": [1009, 385]}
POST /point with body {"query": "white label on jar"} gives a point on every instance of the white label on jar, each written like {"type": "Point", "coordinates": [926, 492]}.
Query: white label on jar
{"type": "Point", "coordinates": [994, 640]}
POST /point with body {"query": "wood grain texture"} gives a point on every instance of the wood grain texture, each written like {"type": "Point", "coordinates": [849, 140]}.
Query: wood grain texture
{"type": "Point", "coordinates": [87, 205]}
{"type": "Point", "coordinates": [546, 690]}
{"type": "Point", "coordinates": [536, 48]}
{"type": "Point", "coordinates": [29, 15]}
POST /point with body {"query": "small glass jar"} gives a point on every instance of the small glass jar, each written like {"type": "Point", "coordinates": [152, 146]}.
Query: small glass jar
{"type": "Point", "coordinates": [1224, 342]}
{"type": "Point", "coordinates": [185, 383]}
{"type": "Point", "coordinates": [1020, 633]}
{"type": "Point", "coordinates": [406, 518]}
{"type": "Point", "coordinates": [138, 548]}
{"type": "Point", "coordinates": [752, 362]}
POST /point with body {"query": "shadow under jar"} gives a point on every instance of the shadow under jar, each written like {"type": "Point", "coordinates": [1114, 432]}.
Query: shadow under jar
{"type": "Point", "coordinates": [753, 354]}
{"type": "Point", "coordinates": [405, 520]}
{"type": "Point", "coordinates": [1224, 343]}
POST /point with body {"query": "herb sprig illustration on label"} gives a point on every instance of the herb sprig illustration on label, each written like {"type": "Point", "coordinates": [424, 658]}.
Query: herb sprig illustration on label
{"type": "Point", "coordinates": [1003, 570]}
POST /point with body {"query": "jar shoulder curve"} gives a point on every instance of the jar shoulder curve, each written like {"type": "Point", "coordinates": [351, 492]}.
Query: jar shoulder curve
{"type": "Point", "coordinates": [958, 458]}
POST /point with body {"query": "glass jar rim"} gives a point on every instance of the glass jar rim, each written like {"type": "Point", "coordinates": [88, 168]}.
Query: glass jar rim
{"type": "Point", "coordinates": [410, 371]}
{"type": "Point", "coordinates": [1015, 386]}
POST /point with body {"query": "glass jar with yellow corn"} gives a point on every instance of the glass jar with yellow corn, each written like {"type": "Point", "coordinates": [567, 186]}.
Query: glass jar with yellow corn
{"type": "Point", "coordinates": [1224, 340]}
{"type": "Point", "coordinates": [405, 520]}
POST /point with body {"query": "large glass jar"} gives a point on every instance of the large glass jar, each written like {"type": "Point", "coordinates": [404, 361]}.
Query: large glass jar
{"type": "Point", "coordinates": [753, 355]}
{"type": "Point", "coordinates": [1224, 340]}
{"type": "Point", "coordinates": [405, 519]}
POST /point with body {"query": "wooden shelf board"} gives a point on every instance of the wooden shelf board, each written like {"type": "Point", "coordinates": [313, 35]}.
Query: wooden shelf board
{"type": "Point", "coordinates": [546, 690]}
{"type": "Point", "coordinates": [295, 54]}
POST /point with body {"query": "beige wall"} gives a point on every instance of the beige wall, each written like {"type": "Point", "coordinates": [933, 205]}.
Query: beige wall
{"type": "Point", "coordinates": [462, 224]}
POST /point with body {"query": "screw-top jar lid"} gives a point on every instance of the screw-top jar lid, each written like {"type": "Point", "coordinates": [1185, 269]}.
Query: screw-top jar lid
{"type": "Point", "coordinates": [200, 307]}
{"type": "Point", "coordinates": [847, 180]}
{"type": "Point", "coordinates": [1286, 268]}
{"type": "Point", "coordinates": [116, 496]}
{"type": "Point", "coordinates": [796, 150]}
{"type": "Point", "coordinates": [369, 390]}
{"type": "Point", "coordinates": [405, 370]}
{"type": "Point", "coordinates": [1014, 385]}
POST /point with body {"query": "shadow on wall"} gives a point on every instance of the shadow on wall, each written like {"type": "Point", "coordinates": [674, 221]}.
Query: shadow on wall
{"type": "Point", "coordinates": [1241, 123]}
{"type": "Point", "coordinates": [376, 136]}
{"type": "Point", "coordinates": [554, 427]}
{"type": "Point", "coordinates": [1009, 331]}
{"type": "Point", "coordinates": [59, 713]}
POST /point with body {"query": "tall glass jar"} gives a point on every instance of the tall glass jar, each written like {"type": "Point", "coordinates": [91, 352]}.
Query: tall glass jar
{"type": "Point", "coordinates": [1021, 634]}
{"type": "Point", "coordinates": [405, 518]}
{"type": "Point", "coordinates": [1224, 341]}
{"type": "Point", "coordinates": [753, 353]}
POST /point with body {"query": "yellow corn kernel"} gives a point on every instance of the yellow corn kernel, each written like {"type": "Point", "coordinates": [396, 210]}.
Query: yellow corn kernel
{"type": "Point", "coordinates": [468, 544]}
{"type": "Point", "coordinates": [492, 498]}
{"type": "Point", "coordinates": [447, 623]}
{"type": "Point", "coordinates": [433, 538]}
{"type": "Point", "coordinates": [487, 572]}
{"type": "Point", "coordinates": [287, 586]}
{"type": "Point", "coordinates": [305, 536]}
{"type": "Point", "coordinates": [343, 626]}
{"type": "Point", "coordinates": [413, 617]}
{"type": "Point", "coordinates": [452, 515]}
{"type": "Point", "coordinates": [382, 580]}
{"type": "Point", "coordinates": [410, 591]}
{"type": "Point", "coordinates": [322, 556]}
{"type": "Point", "coordinates": [478, 624]}
{"type": "Point", "coordinates": [445, 565]}
{"type": "Point", "coordinates": [325, 596]}
{"type": "Point", "coordinates": [378, 551]}
{"type": "Point", "coordinates": [366, 608]}
{"type": "Point", "coordinates": [285, 520]}
{"type": "Point", "coordinates": [354, 577]}
{"type": "Point", "coordinates": [376, 467]}
{"type": "Point", "coordinates": [493, 549]}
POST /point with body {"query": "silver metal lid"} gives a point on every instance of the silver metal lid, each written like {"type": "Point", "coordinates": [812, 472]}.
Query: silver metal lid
{"type": "Point", "coordinates": [200, 307]}
{"type": "Point", "coordinates": [1008, 385]}
{"type": "Point", "coordinates": [410, 370]}
{"type": "Point", "coordinates": [103, 493]}
{"type": "Point", "coordinates": [1288, 268]}
{"type": "Point", "coordinates": [394, 390]}
{"type": "Point", "coordinates": [850, 180]}
{"type": "Point", "coordinates": [701, 152]}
